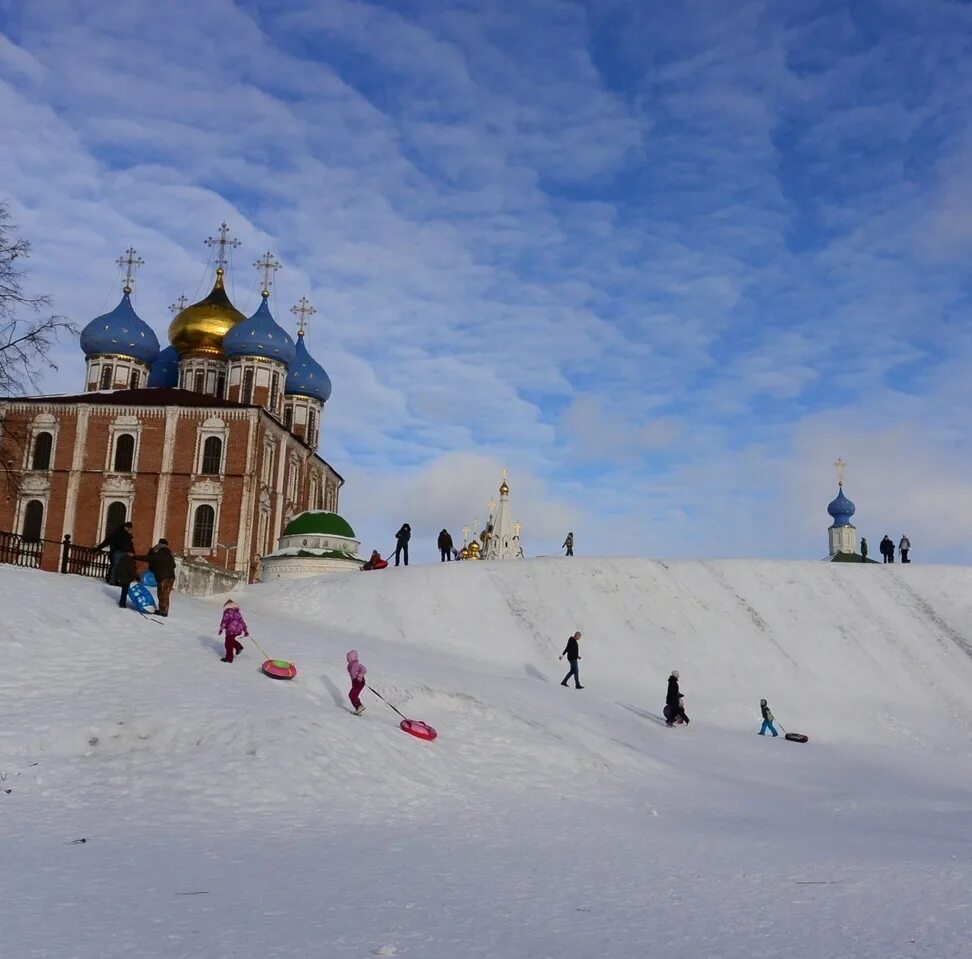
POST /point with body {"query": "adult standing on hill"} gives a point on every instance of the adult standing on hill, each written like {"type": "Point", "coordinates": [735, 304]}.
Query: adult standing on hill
{"type": "Point", "coordinates": [120, 542]}
{"type": "Point", "coordinates": [568, 544]}
{"type": "Point", "coordinates": [904, 547]}
{"type": "Point", "coordinates": [125, 575]}
{"type": "Point", "coordinates": [162, 563]}
{"type": "Point", "coordinates": [572, 652]}
{"type": "Point", "coordinates": [401, 542]}
{"type": "Point", "coordinates": [863, 550]}
{"type": "Point", "coordinates": [672, 699]}
{"type": "Point", "coordinates": [445, 546]}
{"type": "Point", "coordinates": [887, 549]}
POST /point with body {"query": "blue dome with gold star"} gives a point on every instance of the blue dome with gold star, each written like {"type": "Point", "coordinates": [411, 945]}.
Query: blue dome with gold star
{"type": "Point", "coordinates": [122, 332]}
{"type": "Point", "coordinates": [260, 336]}
{"type": "Point", "coordinates": [841, 508]}
{"type": "Point", "coordinates": [307, 377]}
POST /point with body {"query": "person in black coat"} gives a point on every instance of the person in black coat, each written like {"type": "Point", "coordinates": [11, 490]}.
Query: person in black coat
{"type": "Point", "coordinates": [445, 546]}
{"type": "Point", "coordinates": [887, 549]}
{"type": "Point", "coordinates": [119, 541]}
{"type": "Point", "coordinates": [125, 575]}
{"type": "Point", "coordinates": [673, 701]}
{"type": "Point", "coordinates": [572, 652]}
{"type": "Point", "coordinates": [401, 542]}
{"type": "Point", "coordinates": [863, 550]}
{"type": "Point", "coordinates": [162, 563]}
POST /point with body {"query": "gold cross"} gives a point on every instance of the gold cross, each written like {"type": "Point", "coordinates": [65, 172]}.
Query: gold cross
{"type": "Point", "coordinates": [268, 266]}
{"type": "Point", "coordinates": [130, 263]}
{"type": "Point", "coordinates": [303, 310]}
{"type": "Point", "coordinates": [179, 304]}
{"type": "Point", "coordinates": [840, 465]}
{"type": "Point", "coordinates": [223, 242]}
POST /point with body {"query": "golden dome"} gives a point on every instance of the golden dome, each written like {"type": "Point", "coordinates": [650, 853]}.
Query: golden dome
{"type": "Point", "coordinates": [200, 328]}
{"type": "Point", "coordinates": [504, 489]}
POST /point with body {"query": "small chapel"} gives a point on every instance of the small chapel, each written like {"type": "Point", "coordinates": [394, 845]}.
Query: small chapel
{"type": "Point", "coordinates": [211, 442]}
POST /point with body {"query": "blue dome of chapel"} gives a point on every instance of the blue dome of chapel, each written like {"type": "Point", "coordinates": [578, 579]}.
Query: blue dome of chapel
{"type": "Point", "coordinates": [842, 509]}
{"type": "Point", "coordinates": [307, 377]}
{"type": "Point", "coordinates": [122, 331]}
{"type": "Point", "coordinates": [164, 372]}
{"type": "Point", "coordinates": [260, 336]}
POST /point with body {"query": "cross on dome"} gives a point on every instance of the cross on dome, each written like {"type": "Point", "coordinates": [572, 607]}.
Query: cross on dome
{"type": "Point", "coordinates": [268, 265]}
{"type": "Point", "coordinates": [130, 261]}
{"type": "Point", "coordinates": [840, 465]}
{"type": "Point", "coordinates": [179, 304]}
{"type": "Point", "coordinates": [222, 243]}
{"type": "Point", "coordinates": [303, 311]}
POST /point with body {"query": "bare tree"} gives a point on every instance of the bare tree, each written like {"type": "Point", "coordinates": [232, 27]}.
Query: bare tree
{"type": "Point", "coordinates": [25, 342]}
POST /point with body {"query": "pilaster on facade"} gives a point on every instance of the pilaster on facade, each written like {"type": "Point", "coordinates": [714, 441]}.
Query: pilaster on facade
{"type": "Point", "coordinates": [258, 380]}
{"type": "Point", "coordinates": [244, 533]}
{"type": "Point", "coordinates": [169, 433]}
{"type": "Point", "coordinates": [76, 470]}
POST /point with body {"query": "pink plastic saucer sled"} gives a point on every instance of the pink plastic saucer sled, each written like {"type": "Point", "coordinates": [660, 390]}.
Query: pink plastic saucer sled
{"type": "Point", "coordinates": [418, 729]}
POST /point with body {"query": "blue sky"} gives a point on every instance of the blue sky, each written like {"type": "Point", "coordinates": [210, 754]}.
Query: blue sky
{"type": "Point", "coordinates": [664, 261]}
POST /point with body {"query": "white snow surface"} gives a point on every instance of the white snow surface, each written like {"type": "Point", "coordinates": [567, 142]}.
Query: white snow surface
{"type": "Point", "coordinates": [226, 814]}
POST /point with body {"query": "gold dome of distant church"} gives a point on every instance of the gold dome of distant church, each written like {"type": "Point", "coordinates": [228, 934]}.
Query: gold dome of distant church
{"type": "Point", "coordinates": [200, 328]}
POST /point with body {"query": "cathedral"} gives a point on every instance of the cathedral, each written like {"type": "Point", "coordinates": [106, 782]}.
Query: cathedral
{"type": "Point", "coordinates": [211, 443]}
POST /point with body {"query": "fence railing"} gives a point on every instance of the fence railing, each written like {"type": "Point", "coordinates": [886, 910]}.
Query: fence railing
{"type": "Point", "coordinates": [15, 550]}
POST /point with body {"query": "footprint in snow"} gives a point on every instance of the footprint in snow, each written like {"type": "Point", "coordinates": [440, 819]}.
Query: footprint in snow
{"type": "Point", "coordinates": [385, 951]}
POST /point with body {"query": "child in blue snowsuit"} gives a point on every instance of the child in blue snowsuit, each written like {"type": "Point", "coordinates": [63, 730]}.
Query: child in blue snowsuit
{"type": "Point", "coordinates": [767, 719]}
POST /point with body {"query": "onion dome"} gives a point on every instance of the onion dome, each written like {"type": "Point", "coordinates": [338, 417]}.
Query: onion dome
{"type": "Point", "coordinates": [164, 372]}
{"type": "Point", "coordinates": [319, 522]}
{"type": "Point", "coordinates": [200, 328]}
{"type": "Point", "coordinates": [122, 332]}
{"type": "Point", "coordinates": [260, 336]}
{"type": "Point", "coordinates": [307, 377]}
{"type": "Point", "coordinates": [504, 489]}
{"type": "Point", "coordinates": [841, 508]}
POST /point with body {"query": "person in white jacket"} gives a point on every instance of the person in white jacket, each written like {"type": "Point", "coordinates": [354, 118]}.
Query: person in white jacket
{"type": "Point", "coordinates": [904, 547]}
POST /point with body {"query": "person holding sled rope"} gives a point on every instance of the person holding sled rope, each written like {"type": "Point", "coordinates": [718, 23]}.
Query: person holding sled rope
{"type": "Point", "coordinates": [767, 719]}
{"type": "Point", "coordinates": [572, 652]}
{"type": "Point", "coordinates": [356, 670]}
{"type": "Point", "coordinates": [234, 625]}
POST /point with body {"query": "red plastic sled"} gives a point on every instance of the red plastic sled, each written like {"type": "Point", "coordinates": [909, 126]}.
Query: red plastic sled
{"type": "Point", "coordinates": [279, 669]}
{"type": "Point", "coordinates": [797, 737]}
{"type": "Point", "coordinates": [417, 728]}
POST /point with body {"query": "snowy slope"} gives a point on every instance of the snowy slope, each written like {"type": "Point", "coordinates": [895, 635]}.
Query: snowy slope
{"type": "Point", "coordinates": [230, 815]}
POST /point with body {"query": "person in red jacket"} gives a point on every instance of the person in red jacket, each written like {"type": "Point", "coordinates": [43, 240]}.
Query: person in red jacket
{"type": "Point", "coordinates": [234, 626]}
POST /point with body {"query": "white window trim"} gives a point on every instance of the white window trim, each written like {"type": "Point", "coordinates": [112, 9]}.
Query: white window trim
{"type": "Point", "coordinates": [22, 502]}
{"type": "Point", "coordinates": [211, 427]}
{"type": "Point", "coordinates": [118, 428]}
{"type": "Point", "coordinates": [194, 503]}
{"type": "Point", "coordinates": [41, 425]}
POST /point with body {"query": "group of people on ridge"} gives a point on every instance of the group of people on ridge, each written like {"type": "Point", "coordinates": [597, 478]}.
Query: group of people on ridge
{"type": "Point", "coordinates": [887, 549]}
{"type": "Point", "coordinates": [123, 572]}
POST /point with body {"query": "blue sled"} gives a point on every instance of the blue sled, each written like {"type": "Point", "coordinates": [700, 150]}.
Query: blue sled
{"type": "Point", "coordinates": [149, 579]}
{"type": "Point", "coordinates": [140, 598]}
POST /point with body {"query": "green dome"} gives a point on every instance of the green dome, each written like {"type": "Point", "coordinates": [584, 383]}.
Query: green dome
{"type": "Point", "coordinates": [319, 522]}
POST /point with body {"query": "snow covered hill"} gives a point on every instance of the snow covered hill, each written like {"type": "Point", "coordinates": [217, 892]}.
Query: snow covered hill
{"type": "Point", "coordinates": [226, 814]}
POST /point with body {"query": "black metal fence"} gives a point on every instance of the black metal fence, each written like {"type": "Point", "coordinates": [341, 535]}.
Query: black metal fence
{"type": "Point", "coordinates": [15, 550]}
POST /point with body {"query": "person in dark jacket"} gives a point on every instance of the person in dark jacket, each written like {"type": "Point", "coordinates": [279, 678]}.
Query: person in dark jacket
{"type": "Point", "coordinates": [445, 546]}
{"type": "Point", "coordinates": [673, 701]}
{"type": "Point", "coordinates": [125, 575]}
{"type": "Point", "coordinates": [401, 542]}
{"type": "Point", "coordinates": [119, 541]}
{"type": "Point", "coordinates": [572, 652]}
{"type": "Point", "coordinates": [887, 549]}
{"type": "Point", "coordinates": [767, 719]}
{"type": "Point", "coordinates": [568, 544]}
{"type": "Point", "coordinates": [863, 550]}
{"type": "Point", "coordinates": [162, 563]}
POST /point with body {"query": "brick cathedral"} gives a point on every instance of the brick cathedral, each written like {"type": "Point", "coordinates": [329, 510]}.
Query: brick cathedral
{"type": "Point", "coordinates": [211, 442]}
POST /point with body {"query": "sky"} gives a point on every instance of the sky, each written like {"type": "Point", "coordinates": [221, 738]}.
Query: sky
{"type": "Point", "coordinates": [664, 262]}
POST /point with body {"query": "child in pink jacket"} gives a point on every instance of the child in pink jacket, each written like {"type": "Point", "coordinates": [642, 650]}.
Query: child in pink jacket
{"type": "Point", "coordinates": [233, 625]}
{"type": "Point", "coordinates": [356, 670]}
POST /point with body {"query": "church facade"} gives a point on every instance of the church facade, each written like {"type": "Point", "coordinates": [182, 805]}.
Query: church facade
{"type": "Point", "coordinates": [211, 442]}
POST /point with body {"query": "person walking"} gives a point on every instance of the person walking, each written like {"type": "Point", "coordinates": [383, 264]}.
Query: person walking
{"type": "Point", "coordinates": [356, 670]}
{"type": "Point", "coordinates": [234, 626]}
{"type": "Point", "coordinates": [904, 548]}
{"type": "Point", "coordinates": [887, 549]}
{"type": "Point", "coordinates": [767, 719]}
{"type": "Point", "coordinates": [125, 575]}
{"type": "Point", "coordinates": [568, 544]}
{"type": "Point", "coordinates": [162, 563]}
{"type": "Point", "coordinates": [401, 542]}
{"type": "Point", "coordinates": [572, 652]}
{"type": "Point", "coordinates": [673, 700]}
{"type": "Point", "coordinates": [863, 550]}
{"type": "Point", "coordinates": [119, 542]}
{"type": "Point", "coordinates": [445, 546]}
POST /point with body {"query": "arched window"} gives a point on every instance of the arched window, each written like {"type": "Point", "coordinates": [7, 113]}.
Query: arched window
{"type": "Point", "coordinates": [115, 517]}
{"type": "Point", "coordinates": [202, 527]}
{"type": "Point", "coordinates": [106, 372]}
{"type": "Point", "coordinates": [124, 453]}
{"type": "Point", "coordinates": [135, 381]}
{"type": "Point", "coordinates": [221, 386]}
{"type": "Point", "coordinates": [33, 521]}
{"type": "Point", "coordinates": [42, 452]}
{"type": "Point", "coordinates": [246, 395]}
{"type": "Point", "coordinates": [288, 416]}
{"type": "Point", "coordinates": [200, 382]}
{"type": "Point", "coordinates": [212, 456]}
